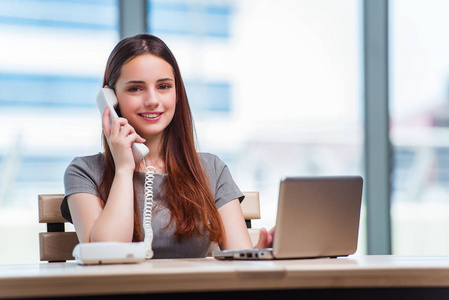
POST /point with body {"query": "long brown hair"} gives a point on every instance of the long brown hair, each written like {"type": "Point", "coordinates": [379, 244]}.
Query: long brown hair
{"type": "Point", "coordinates": [186, 188]}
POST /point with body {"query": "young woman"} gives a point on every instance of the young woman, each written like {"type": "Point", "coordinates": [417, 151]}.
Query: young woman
{"type": "Point", "coordinates": [196, 201]}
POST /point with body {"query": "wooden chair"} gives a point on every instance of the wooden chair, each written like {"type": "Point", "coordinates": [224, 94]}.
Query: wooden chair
{"type": "Point", "coordinates": [56, 245]}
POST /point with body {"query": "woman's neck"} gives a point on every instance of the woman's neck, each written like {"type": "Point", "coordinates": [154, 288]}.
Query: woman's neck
{"type": "Point", "coordinates": [155, 157]}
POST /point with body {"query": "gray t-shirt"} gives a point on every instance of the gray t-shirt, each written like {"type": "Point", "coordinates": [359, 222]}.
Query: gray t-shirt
{"type": "Point", "coordinates": [83, 175]}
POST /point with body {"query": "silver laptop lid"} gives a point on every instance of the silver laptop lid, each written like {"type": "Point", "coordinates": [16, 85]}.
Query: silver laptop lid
{"type": "Point", "coordinates": [318, 216]}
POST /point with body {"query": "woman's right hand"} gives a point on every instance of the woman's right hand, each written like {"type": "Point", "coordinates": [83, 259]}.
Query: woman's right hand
{"type": "Point", "coordinates": [120, 136]}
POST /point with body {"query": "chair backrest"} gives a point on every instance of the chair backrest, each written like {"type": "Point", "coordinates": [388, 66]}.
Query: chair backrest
{"type": "Point", "coordinates": [56, 245]}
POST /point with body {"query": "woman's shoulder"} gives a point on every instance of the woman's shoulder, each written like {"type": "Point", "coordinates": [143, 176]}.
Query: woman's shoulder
{"type": "Point", "coordinates": [87, 164]}
{"type": "Point", "coordinates": [209, 158]}
{"type": "Point", "coordinates": [212, 162]}
{"type": "Point", "coordinates": [95, 160]}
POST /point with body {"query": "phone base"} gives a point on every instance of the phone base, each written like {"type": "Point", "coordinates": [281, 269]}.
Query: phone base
{"type": "Point", "coordinates": [109, 253]}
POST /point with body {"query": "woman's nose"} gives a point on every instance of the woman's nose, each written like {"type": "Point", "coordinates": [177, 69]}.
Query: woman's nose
{"type": "Point", "coordinates": [150, 99]}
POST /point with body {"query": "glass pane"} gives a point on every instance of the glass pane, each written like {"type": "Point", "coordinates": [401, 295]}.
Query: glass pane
{"type": "Point", "coordinates": [419, 128]}
{"type": "Point", "coordinates": [275, 86]}
{"type": "Point", "coordinates": [52, 59]}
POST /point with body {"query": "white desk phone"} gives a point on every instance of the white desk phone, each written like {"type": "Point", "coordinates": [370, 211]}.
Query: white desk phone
{"type": "Point", "coordinates": [116, 252]}
{"type": "Point", "coordinates": [109, 253]}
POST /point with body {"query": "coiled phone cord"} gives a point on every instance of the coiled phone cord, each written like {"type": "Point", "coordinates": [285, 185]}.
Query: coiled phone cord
{"type": "Point", "coordinates": [148, 209]}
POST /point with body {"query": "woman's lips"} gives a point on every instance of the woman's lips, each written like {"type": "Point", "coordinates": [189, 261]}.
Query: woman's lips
{"type": "Point", "coordinates": [152, 116]}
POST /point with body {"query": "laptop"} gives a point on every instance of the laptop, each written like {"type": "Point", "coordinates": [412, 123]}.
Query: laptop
{"type": "Point", "coordinates": [316, 217]}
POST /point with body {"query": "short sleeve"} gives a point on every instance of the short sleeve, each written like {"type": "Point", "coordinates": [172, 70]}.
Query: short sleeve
{"type": "Point", "coordinates": [81, 176]}
{"type": "Point", "coordinates": [222, 183]}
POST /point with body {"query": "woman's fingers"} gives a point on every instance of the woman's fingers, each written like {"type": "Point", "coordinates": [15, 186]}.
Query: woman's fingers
{"type": "Point", "coordinates": [114, 126]}
{"type": "Point", "coordinates": [262, 242]}
{"type": "Point", "coordinates": [117, 125]}
{"type": "Point", "coordinates": [134, 137]}
{"type": "Point", "coordinates": [265, 238]}
{"type": "Point", "coordinates": [122, 131]}
{"type": "Point", "coordinates": [271, 235]}
{"type": "Point", "coordinates": [105, 121]}
{"type": "Point", "coordinates": [120, 136]}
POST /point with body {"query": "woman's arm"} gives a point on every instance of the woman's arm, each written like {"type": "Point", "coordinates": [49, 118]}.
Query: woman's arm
{"type": "Point", "coordinates": [236, 233]}
{"type": "Point", "coordinates": [84, 210]}
{"type": "Point", "coordinates": [113, 222]}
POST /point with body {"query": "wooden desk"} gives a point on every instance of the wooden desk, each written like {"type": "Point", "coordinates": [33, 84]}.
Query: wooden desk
{"type": "Point", "coordinates": [369, 277]}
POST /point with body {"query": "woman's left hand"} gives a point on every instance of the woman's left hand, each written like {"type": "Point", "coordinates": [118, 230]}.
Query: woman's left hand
{"type": "Point", "coordinates": [265, 238]}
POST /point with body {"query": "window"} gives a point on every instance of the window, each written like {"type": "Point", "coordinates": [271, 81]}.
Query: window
{"type": "Point", "coordinates": [190, 18]}
{"type": "Point", "coordinates": [53, 55]}
{"type": "Point", "coordinates": [419, 130]}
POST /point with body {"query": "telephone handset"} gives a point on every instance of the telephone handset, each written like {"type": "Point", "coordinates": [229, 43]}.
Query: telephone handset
{"type": "Point", "coordinates": [106, 97]}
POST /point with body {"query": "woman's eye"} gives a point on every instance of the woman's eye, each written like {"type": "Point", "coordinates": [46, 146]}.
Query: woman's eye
{"type": "Point", "coordinates": [164, 86]}
{"type": "Point", "coordinates": [134, 89]}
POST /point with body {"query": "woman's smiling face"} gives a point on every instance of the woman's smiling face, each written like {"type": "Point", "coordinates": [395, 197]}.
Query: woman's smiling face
{"type": "Point", "coordinates": [146, 94]}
